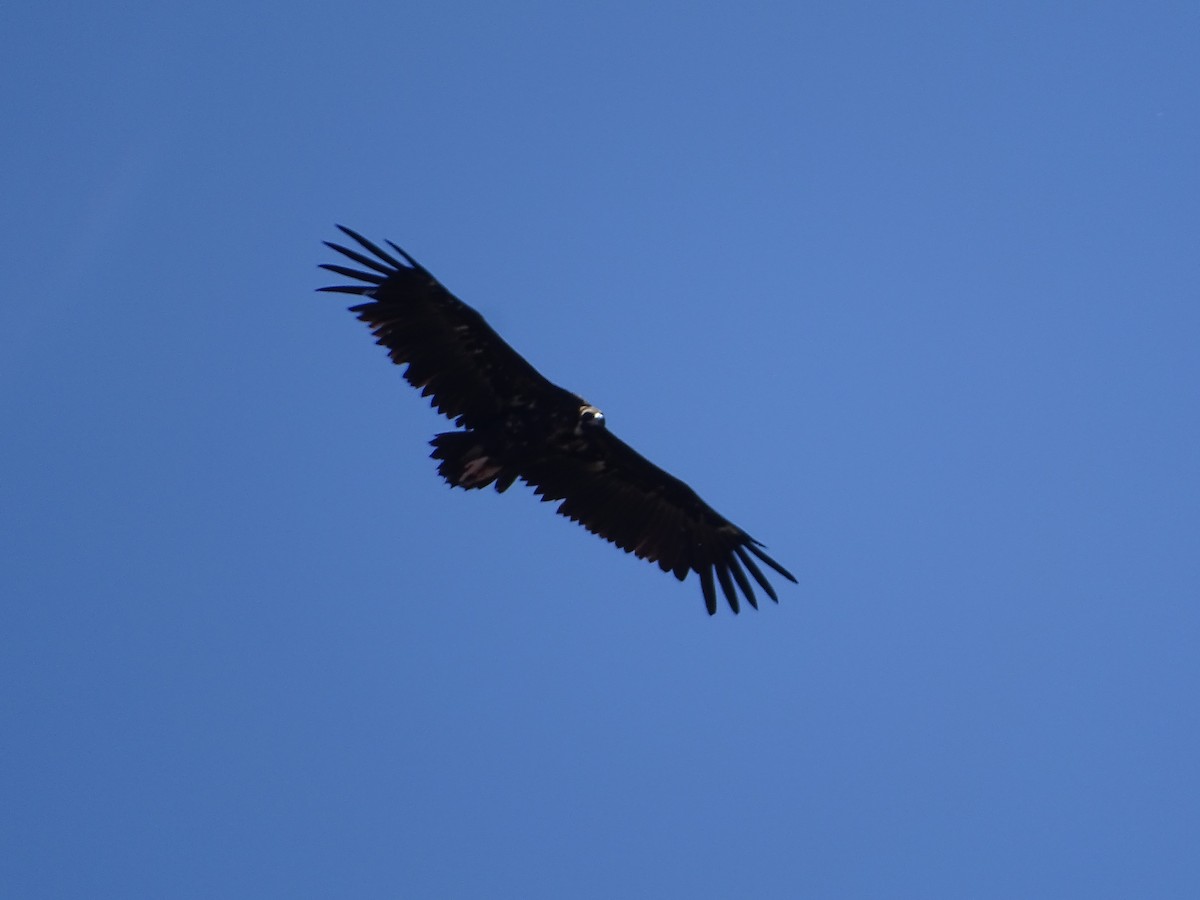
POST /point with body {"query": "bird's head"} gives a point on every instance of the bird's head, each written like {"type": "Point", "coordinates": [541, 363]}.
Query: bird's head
{"type": "Point", "coordinates": [589, 417]}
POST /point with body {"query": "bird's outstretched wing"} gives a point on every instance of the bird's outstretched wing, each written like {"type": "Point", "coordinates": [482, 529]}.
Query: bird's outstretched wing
{"type": "Point", "coordinates": [452, 355]}
{"type": "Point", "coordinates": [616, 493]}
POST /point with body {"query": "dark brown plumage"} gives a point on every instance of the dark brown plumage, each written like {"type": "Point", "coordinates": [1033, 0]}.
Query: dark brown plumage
{"type": "Point", "coordinates": [517, 424]}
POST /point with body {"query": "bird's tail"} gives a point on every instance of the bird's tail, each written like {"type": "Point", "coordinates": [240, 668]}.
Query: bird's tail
{"type": "Point", "coordinates": [466, 463]}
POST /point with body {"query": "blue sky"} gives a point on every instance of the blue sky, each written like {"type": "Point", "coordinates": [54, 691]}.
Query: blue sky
{"type": "Point", "coordinates": [908, 291]}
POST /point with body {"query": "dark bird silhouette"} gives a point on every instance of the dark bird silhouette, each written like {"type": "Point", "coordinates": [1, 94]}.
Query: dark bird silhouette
{"type": "Point", "coordinates": [517, 424]}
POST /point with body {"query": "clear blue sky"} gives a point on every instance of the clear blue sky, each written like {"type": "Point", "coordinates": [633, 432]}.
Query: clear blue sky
{"type": "Point", "coordinates": [909, 291]}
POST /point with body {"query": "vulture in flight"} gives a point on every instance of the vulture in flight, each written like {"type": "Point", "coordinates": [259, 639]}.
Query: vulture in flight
{"type": "Point", "coordinates": [515, 424]}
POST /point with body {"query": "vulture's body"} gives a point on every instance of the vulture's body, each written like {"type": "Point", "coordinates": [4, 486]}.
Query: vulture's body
{"type": "Point", "coordinates": [516, 424]}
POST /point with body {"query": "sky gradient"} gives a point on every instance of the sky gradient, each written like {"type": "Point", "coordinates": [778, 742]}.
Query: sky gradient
{"type": "Point", "coordinates": [908, 291]}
